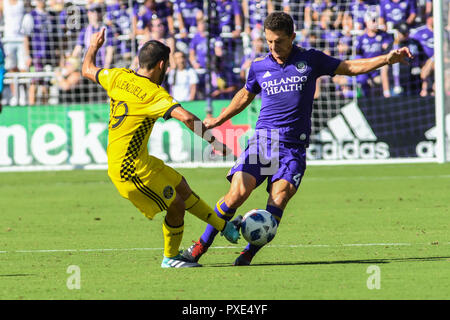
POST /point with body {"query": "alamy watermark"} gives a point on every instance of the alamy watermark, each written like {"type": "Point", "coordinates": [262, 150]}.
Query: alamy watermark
{"type": "Point", "coordinates": [374, 280]}
{"type": "Point", "coordinates": [74, 280]}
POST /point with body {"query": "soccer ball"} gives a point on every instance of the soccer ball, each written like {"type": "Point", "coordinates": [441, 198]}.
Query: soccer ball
{"type": "Point", "coordinates": [258, 227]}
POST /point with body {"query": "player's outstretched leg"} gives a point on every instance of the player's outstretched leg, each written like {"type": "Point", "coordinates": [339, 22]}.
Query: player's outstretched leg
{"type": "Point", "coordinates": [173, 227]}
{"type": "Point", "coordinates": [242, 185]}
{"type": "Point", "coordinates": [246, 256]}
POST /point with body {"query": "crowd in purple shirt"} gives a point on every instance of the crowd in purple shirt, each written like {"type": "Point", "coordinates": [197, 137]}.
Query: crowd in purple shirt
{"type": "Point", "coordinates": [342, 29]}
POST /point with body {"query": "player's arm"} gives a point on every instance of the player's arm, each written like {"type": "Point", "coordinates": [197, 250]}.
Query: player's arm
{"type": "Point", "coordinates": [195, 125]}
{"type": "Point", "coordinates": [89, 69]}
{"type": "Point", "coordinates": [360, 66]}
{"type": "Point", "coordinates": [239, 102]}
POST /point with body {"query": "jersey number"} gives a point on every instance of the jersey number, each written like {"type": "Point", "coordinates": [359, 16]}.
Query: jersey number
{"type": "Point", "coordinates": [119, 113]}
{"type": "Point", "coordinates": [296, 179]}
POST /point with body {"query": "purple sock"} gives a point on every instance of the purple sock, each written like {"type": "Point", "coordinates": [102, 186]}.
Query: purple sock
{"type": "Point", "coordinates": [222, 211]}
{"type": "Point", "coordinates": [277, 213]}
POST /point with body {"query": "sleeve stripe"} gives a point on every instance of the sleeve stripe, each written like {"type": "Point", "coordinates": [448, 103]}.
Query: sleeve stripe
{"type": "Point", "coordinates": [167, 115]}
{"type": "Point", "coordinates": [97, 74]}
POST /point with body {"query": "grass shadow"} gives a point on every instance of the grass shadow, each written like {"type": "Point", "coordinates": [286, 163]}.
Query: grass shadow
{"type": "Point", "coordinates": [357, 261]}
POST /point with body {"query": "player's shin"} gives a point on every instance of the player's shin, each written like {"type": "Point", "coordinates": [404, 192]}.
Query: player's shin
{"type": "Point", "coordinates": [222, 211]}
{"type": "Point", "coordinates": [203, 211]}
{"type": "Point", "coordinates": [172, 239]}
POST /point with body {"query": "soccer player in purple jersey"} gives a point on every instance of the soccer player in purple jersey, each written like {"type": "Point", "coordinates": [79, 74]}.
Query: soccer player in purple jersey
{"type": "Point", "coordinates": [286, 80]}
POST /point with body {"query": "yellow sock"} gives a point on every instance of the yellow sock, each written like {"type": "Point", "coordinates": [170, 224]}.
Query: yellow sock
{"type": "Point", "coordinates": [203, 211]}
{"type": "Point", "coordinates": [172, 239]}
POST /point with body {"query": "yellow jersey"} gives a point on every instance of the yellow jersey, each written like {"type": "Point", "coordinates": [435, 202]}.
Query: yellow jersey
{"type": "Point", "coordinates": [136, 103]}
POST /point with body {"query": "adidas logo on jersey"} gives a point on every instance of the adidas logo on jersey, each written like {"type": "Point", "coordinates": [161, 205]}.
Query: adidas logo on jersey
{"type": "Point", "coordinates": [348, 136]}
{"type": "Point", "coordinates": [267, 74]}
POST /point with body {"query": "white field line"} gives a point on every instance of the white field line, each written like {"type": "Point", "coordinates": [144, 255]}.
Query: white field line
{"type": "Point", "coordinates": [312, 178]}
{"type": "Point", "coordinates": [226, 247]}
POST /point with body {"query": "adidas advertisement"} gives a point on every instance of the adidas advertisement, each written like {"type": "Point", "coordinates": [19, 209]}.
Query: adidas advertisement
{"type": "Point", "coordinates": [76, 136]}
{"type": "Point", "coordinates": [347, 136]}
{"type": "Point", "coordinates": [370, 129]}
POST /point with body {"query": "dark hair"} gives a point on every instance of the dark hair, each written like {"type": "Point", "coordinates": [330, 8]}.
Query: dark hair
{"type": "Point", "coordinates": [151, 53]}
{"type": "Point", "coordinates": [279, 21]}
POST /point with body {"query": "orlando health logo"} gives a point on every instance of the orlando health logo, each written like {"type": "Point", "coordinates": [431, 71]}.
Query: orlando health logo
{"type": "Point", "coordinates": [348, 135]}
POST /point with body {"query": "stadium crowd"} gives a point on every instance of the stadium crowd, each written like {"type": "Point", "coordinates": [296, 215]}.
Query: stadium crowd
{"type": "Point", "coordinates": [44, 43]}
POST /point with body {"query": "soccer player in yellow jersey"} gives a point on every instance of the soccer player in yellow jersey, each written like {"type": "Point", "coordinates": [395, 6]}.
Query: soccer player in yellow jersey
{"type": "Point", "coordinates": [137, 101]}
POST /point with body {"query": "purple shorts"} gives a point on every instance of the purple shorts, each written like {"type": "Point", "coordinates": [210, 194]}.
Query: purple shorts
{"type": "Point", "coordinates": [269, 159]}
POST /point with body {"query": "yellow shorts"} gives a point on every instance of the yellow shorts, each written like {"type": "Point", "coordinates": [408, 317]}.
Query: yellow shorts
{"type": "Point", "coordinates": [152, 192]}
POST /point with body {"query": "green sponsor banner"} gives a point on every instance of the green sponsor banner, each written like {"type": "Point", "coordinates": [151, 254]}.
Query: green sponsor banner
{"type": "Point", "coordinates": [78, 135]}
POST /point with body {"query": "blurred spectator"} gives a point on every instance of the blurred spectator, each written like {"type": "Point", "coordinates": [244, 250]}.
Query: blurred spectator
{"type": "Point", "coordinates": [183, 80]}
{"type": "Point", "coordinates": [155, 31]}
{"type": "Point", "coordinates": [230, 21]}
{"type": "Point", "coordinates": [406, 77]}
{"type": "Point", "coordinates": [187, 12]}
{"type": "Point", "coordinates": [144, 13]}
{"type": "Point", "coordinates": [312, 39]}
{"type": "Point", "coordinates": [68, 79]}
{"type": "Point", "coordinates": [254, 13]}
{"type": "Point", "coordinates": [71, 19]}
{"type": "Point", "coordinates": [328, 34]}
{"type": "Point", "coordinates": [426, 75]}
{"type": "Point", "coordinates": [372, 43]}
{"type": "Point", "coordinates": [198, 47]}
{"type": "Point", "coordinates": [356, 11]}
{"type": "Point", "coordinates": [394, 12]}
{"type": "Point", "coordinates": [257, 50]}
{"type": "Point", "coordinates": [345, 84]}
{"type": "Point", "coordinates": [224, 81]}
{"type": "Point", "coordinates": [57, 39]}
{"type": "Point", "coordinates": [118, 17]}
{"type": "Point", "coordinates": [13, 43]}
{"type": "Point", "coordinates": [38, 30]}
{"type": "Point", "coordinates": [424, 35]}
{"type": "Point", "coordinates": [106, 52]}
{"type": "Point", "coordinates": [296, 8]}
{"type": "Point", "coordinates": [315, 8]}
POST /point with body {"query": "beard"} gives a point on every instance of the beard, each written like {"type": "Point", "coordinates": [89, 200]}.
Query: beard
{"type": "Point", "coordinates": [162, 77]}
{"type": "Point", "coordinates": [163, 74]}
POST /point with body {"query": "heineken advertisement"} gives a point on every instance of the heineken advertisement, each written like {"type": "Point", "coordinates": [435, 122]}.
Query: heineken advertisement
{"type": "Point", "coordinates": [77, 135]}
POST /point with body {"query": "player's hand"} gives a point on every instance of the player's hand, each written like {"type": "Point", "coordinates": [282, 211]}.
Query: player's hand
{"type": "Point", "coordinates": [97, 39]}
{"type": "Point", "coordinates": [210, 122]}
{"type": "Point", "coordinates": [399, 55]}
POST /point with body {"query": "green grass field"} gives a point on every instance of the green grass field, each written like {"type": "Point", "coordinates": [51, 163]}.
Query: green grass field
{"type": "Point", "coordinates": [344, 221]}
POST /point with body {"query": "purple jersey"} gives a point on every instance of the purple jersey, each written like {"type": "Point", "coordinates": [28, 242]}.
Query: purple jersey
{"type": "Point", "coordinates": [256, 12]}
{"type": "Point", "coordinates": [85, 36]}
{"type": "Point", "coordinates": [39, 32]}
{"type": "Point", "coordinates": [371, 46]}
{"type": "Point", "coordinates": [188, 10]}
{"type": "Point", "coordinates": [120, 15]}
{"type": "Point", "coordinates": [145, 14]}
{"type": "Point", "coordinates": [198, 44]}
{"type": "Point", "coordinates": [357, 10]}
{"type": "Point", "coordinates": [397, 12]}
{"type": "Point", "coordinates": [226, 10]}
{"type": "Point", "coordinates": [287, 91]}
{"type": "Point", "coordinates": [426, 38]}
